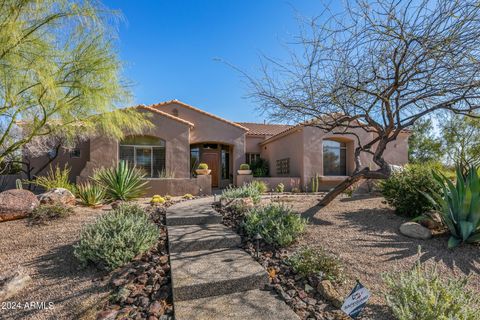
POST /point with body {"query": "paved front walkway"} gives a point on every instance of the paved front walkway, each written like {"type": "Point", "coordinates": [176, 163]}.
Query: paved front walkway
{"type": "Point", "coordinates": [211, 277]}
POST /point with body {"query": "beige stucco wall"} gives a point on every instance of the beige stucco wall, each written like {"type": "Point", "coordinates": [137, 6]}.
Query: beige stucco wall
{"type": "Point", "coordinates": [208, 129]}
{"type": "Point", "coordinates": [253, 143]}
{"type": "Point", "coordinates": [201, 185]}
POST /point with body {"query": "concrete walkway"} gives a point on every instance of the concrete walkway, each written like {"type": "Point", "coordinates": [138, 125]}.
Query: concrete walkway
{"type": "Point", "coordinates": [211, 277]}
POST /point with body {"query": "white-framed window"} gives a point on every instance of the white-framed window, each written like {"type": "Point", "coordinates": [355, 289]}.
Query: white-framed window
{"type": "Point", "coordinates": [251, 157]}
{"type": "Point", "coordinates": [334, 158]}
{"type": "Point", "coordinates": [144, 152]}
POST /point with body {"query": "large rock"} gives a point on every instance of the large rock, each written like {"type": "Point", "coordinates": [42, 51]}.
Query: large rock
{"type": "Point", "coordinates": [16, 204]}
{"type": "Point", "coordinates": [12, 283]}
{"type": "Point", "coordinates": [239, 204]}
{"type": "Point", "coordinates": [57, 196]}
{"type": "Point", "coordinates": [328, 291]}
{"type": "Point", "coordinates": [415, 230]}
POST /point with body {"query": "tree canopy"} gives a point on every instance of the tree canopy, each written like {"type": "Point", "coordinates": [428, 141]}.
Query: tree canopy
{"type": "Point", "coordinates": [60, 74]}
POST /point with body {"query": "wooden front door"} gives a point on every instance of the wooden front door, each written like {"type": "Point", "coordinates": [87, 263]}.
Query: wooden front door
{"type": "Point", "coordinates": [211, 159]}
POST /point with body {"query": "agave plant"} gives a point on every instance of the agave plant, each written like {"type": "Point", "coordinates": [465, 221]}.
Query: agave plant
{"type": "Point", "coordinates": [91, 194]}
{"type": "Point", "coordinates": [459, 206]}
{"type": "Point", "coordinates": [122, 182]}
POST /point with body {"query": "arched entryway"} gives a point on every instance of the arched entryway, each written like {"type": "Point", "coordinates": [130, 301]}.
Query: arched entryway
{"type": "Point", "coordinates": [218, 158]}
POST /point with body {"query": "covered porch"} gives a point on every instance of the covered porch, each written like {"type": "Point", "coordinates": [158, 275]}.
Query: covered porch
{"type": "Point", "coordinates": [218, 158]}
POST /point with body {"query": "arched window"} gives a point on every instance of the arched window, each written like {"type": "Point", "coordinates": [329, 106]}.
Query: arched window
{"type": "Point", "coordinates": [144, 152]}
{"type": "Point", "coordinates": [334, 158]}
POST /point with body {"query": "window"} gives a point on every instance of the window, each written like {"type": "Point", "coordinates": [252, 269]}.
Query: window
{"type": "Point", "coordinates": [146, 153]}
{"type": "Point", "coordinates": [225, 163]}
{"type": "Point", "coordinates": [283, 166]}
{"type": "Point", "coordinates": [75, 153]}
{"type": "Point", "coordinates": [252, 157]}
{"type": "Point", "coordinates": [334, 158]}
{"type": "Point", "coordinates": [194, 159]}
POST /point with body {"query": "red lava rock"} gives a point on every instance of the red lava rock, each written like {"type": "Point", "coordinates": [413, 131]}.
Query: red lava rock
{"type": "Point", "coordinates": [16, 204]}
{"type": "Point", "coordinates": [107, 315]}
{"type": "Point", "coordinates": [155, 308]}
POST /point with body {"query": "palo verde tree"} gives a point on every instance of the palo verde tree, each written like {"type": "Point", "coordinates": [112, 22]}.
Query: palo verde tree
{"type": "Point", "coordinates": [377, 67]}
{"type": "Point", "coordinates": [59, 73]}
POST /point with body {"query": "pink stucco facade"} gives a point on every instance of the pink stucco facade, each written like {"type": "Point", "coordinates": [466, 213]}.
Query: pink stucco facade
{"type": "Point", "coordinates": [191, 134]}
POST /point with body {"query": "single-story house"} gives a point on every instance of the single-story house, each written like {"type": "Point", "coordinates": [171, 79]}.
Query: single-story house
{"type": "Point", "coordinates": [184, 136]}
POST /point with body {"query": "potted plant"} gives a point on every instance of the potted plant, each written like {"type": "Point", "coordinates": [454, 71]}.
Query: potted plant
{"type": "Point", "coordinates": [202, 169]}
{"type": "Point", "coordinates": [244, 169]}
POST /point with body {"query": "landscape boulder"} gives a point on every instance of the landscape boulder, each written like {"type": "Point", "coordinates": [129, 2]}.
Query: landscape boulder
{"type": "Point", "coordinates": [16, 204]}
{"type": "Point", "coordinates": [415, 230]}
{"type": "Point", "coordinates": [57, 196]}
{"type": "Point", "coordinates": [432, 221]}
{"type": "Point", "coordinates": [239, 204]}
{"type": "Point", "coordinates": [12, 283]}
{"type": "Point", "coordinates": [328, 291]}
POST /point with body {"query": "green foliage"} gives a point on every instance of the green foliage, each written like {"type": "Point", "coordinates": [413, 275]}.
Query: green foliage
{"type": "Point", "coordinates": [276, 223]}
{"type": "Point", "coordinates": [459, 206]}
{"type": "Point", "coordinates": [58, 178]}
{"type": "Point", "coordinates": [248, 190]}
{"type": "Point", "coordinates": [260, 168]}
{"type": "Point", "coordinates": [122, 182]}
{"type": "Point", "coordinates": [46, 212]}
{"type": "Point", "coordinates": [166, 174]}
{"type": "Point", "coordinates": [59, 71]}
{"type": "Point", "coordinates": [203, 166]}
{"type": "Point", "coordinates": [420, 293]}
{"type": "Point", "coordinates": [280, 188]}
{"type": "Point", "coordinates": [18, 184]}
{"type": "Point", "coordinates": [423, 146]}
{"type": "Point", "coordinates": [91, 194]}
{"type": "Point", "coordinates": [260, 186]}
{"type": "Point", "coordinates": [188, 196]}
{"type": "Point", "coordinates": [404, 190]}
{"type": "Point", "coordinates": [116, 238]}
{"type": "Point", "coordinates": [244, 166]}
{"type": "Point", "coordinates": [309, 261]}
{"type": "Point", "coordinates": [157, 199]}
{"type": "Point", "coordinates": [315, 180]}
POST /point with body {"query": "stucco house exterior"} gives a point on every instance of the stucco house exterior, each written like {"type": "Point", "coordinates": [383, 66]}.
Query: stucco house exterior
{"type": "Point", "coordinates": [184, 136]}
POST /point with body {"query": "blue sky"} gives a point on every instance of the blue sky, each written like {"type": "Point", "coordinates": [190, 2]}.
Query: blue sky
{"type": "Point", "coordinates": [170, 48]}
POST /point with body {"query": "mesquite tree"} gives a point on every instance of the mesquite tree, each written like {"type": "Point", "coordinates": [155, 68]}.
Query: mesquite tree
{"type": "Point", "coordinates": [377, 66]}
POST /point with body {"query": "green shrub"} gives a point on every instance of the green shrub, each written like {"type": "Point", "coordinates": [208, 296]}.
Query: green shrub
{"type": "Point", "coordinates": [311, 261]}
{"type": "Point", "coordinates": [248, 190]}
{"type": "Point", "coordinates": [276, 223]}
{"type": "Point", "coordinates": [157, 199]}
{"type": "Point", "coordinates": [244, 166]}
{"type": "Point", "coordinates": [260, 186]}
{"type": "Point", "coordinates": [404, 190]}
{"type": "Point", "coordinates": [58, 178]}
{"type": "Point", "coordinates": [260, 168]}
{"type": "Point", "coordinates": [280, 187]}
{"type": "Point", "coordinates": [90, 194]}
{"type": "Point", "coordinates": [459, 206]}
{"type": "Point", "coordinates": [116, 238]}
{"type": "Point", "coordinates": [420, 293]}
{"type": "Point", "coordinates": [46, 212]}
{"type": "Point", "coordinates": [121, 182]}
{"type": "Point", "coordinates": [203, 166]}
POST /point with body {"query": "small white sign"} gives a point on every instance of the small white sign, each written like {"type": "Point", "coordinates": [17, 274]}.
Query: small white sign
{"type": "Point", "coordinates": [356, 300]}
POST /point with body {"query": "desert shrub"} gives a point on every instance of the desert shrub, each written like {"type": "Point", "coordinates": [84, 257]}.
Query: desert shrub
{"type": "Point", "coordinates": [166, 174]}
{"type": "Point", "coordinates": [157, 199]}
{"type": "Point", "coordinates": [57, 178]}
{"type": "Point", "coordinates": [116, 238]}
{"type": "Point", "coordinates": [405, 190]}
{"type": "Point", "coordinates": [246, 191]}
{"type": "Point", "coordinates": [90, 194]}
{"type": "Point", "coordinates": [121, 182]}
{"type": "Point", "coordinates": [458, 205]}
{"type": "Point", "coordinates": [280, 187]}
{"type": "Point", "coordinates": [260, 168]}
{"type": "Point", "coordinates": [296, 190]}
{"type": "Point", "coordinates": [276, 223]}
{"type": "Point", "coordinates": [188, 196]}
{"type": "Point", "coordinates": [244, 166]}
{"type": "Point", "coordinates": [46, 212]}
{"type": "Point", "coordinates": [260, 186]}
{"type": "Point", "coordinates": [420, 293]}
{"type": "Point", "coordinates": [315, 261]}
{"type": "Point", "coordinates": [203, 166]}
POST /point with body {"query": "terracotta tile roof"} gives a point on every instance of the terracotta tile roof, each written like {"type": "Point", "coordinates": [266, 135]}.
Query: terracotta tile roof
{"type": "Point", "coordinates": [161, 104]}
{"type": "Point", "coordinates": [262, 129]}
{"type": "Point", "coordinates": [165, 114]}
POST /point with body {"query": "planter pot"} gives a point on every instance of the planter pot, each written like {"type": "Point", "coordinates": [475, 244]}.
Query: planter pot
{"type": "Point", "coordinates": [244, 172]}
{"type": "Point", "coordinates": [203, 172]}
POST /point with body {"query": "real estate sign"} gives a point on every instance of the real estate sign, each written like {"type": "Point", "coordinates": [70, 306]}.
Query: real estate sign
{"type": "Point", "coordinates": [356, 300]}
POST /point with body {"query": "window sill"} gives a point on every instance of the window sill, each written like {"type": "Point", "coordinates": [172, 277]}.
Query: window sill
{"type": "Point", "coordinates": [333, 178]}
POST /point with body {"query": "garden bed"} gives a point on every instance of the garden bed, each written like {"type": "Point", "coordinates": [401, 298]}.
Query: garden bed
{"type": "Point", "coordinates": [363, 234]}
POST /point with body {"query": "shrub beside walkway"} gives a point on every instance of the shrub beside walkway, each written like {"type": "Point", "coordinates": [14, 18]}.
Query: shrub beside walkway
{"type": "Point", "coordinates": [211, 277]}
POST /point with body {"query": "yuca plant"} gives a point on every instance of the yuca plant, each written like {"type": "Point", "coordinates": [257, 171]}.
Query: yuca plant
{"type": "Point", "coordinates": [420, 293]}
{"type": "Point", "coordinates": [459, 206]}
{"type": "Point", "coordinates": [58, 178]}
{"type": "Point", "coordinates": [276, 223]}
{"type": "Point", "coordinates": [116, 238]}
{"type": "Point", "coordinates": [91, 194]}
{"type": "Point", "coordinates": [122, 182]}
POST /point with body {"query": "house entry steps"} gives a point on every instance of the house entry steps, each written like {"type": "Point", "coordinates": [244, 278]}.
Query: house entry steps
{"type": "Point", "coordinates": [212, 278]}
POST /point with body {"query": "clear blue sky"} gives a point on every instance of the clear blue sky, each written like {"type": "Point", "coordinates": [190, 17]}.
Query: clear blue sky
{"type": "Point", "coordinates": [170, 47]}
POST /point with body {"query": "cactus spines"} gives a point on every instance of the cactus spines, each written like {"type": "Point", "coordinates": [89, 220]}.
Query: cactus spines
{"type": "Point", "coordinates": [315, 181]}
